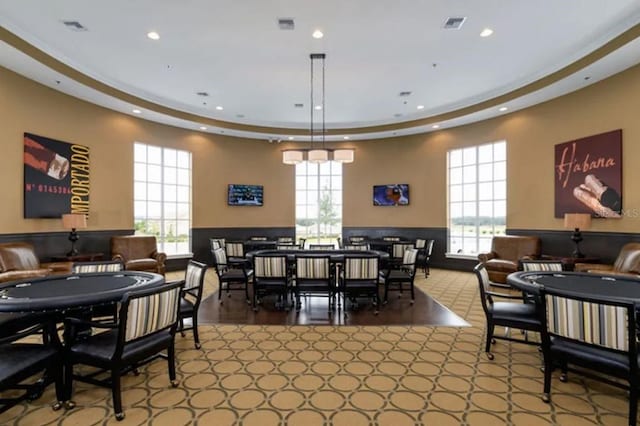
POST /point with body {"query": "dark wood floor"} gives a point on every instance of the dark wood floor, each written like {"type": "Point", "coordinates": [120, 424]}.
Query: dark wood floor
{"type": "Point", "coordinates": [234, 310]}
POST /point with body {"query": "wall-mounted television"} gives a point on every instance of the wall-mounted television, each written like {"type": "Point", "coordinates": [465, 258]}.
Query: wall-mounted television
{"type": "Point", "coordinates": [245, 195]}
{"type": "Point", "coordinates": [396, 194]}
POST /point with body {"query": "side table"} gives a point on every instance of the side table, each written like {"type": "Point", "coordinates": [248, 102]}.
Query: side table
{"type": "Point", "coordinates": [80, 257]}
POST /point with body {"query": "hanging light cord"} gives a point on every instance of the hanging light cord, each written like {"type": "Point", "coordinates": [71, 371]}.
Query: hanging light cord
{"type": "Point", "coordinates": [323, 109]}
{"type": "Point", "coordinates": [311, 106]}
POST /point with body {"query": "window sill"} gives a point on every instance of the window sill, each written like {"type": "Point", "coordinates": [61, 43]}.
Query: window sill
{"type": "Point", "coordinates": [461, 256]}
{"type": "Point", "coordinates": [180, 256]}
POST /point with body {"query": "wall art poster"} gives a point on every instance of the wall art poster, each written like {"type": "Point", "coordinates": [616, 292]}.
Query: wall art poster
{"type": "Point", "coordinates": [588, 176]}
{"type": "Point", "coordinates": [56, 177]}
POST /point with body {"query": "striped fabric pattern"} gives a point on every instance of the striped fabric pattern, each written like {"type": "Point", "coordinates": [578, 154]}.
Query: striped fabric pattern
{"type": "Point", "coordinates": [270, 266]}
{"type": "Point", "coordinates": [361, 268]}
{"type": "Point", "coordinates": [287, 247]}
{"type": "Point", "coordinates": [421, 243]}
{"type": "Point", "coordinates": [594, 323]}
{"type": "Point", "coordinates": [285, 240]}
{"type": "Point", "coordinates": [356, 239]}
{"type": "Point", "coordinates": [409, 259]}
{"type": "Point", "coordinates": [193, 276]}
{"type": "Point", "coordinates": [399, 249]}
{"type": "Point", "coordinates": [258, 238]}
{"type": "Point", "coordinates": [542, 266]}
{"type": "Point", "coordinates": [151, 313]}
{"type": "Point", "coordinates": [88, 268]}
{"type": "Point", "coordinates": [312, 268]}
{"type": "Point", "coordinates": [321, 247]}
{"type": "Point", "coordinates": [360, 247]}
{"type": "Point", "coordinates": [235, 249]}
{"type": "Point", "coordinates": [215, 244]}
{"type": "Point", "coordinates": [390, 238]}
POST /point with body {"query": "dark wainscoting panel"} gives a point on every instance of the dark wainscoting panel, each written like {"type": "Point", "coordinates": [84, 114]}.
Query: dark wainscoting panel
{"type": "Point", "coordinates": [605, 245]}
{"type": "Point", "coordinates": [49, 244]}
{"type": "Point", "coordinates": [439, 235]}
{"type": "Point", "coordinates": [201, 247]}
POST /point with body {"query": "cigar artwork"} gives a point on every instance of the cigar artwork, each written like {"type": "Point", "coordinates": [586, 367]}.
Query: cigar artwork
{"type": "Point", "coordinates": [602, 200]}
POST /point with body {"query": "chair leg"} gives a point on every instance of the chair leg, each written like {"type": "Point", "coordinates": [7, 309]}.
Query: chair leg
{"type": "Point", "coordinates": [181, 327]}
{"type": "Point", "coordinates": [548, 368]}
{"type": "Point", "coordinates": [60, 388]}
{"type": "Point", "coordinates": [255, 297]}
{"type": "Point", "coordinates": [633, 402]}
{"type": "Point", "coordinates": [171, 363]}
{"type": "Point", "coordinates": [386, 293]}
{"type": "Point", "coordinates": [116, 395]}
{"type": "Point", "coordinates": [196, 337]}
{"type": "Point", "coordinates": [413, 296]}
{"type": "Point", "coordinates": [487, 347]}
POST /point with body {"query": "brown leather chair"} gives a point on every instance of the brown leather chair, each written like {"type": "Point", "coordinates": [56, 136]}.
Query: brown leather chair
{"type": "Point", "coordinates": [627, 263]}
{"type": "Point", "coordinates": [19, 261]}
{"type": "Point", "coordinates": [505, 253]}
{"type": "Point", "coordinates": [138, 253]}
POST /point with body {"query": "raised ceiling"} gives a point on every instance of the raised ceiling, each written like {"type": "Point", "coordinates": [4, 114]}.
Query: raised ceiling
{"type": "Point", "coordinates": [235, 52]}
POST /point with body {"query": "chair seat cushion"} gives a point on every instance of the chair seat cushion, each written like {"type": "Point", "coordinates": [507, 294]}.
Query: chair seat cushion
{"type": "Point", "coordinates": [186, 307]}
{"type": "Point", "coordinates": [142, 264]}
{"type": "Point", "coordinates": [396, 275]}
{"type": "Point", "coordinates": [519, 315]}
{"type": "Point", "coordinates": [591, 356]}
{"type": "Point", "coordinates": [233, 275]}
{"type": "Point", "coordinates": [101, 346]}
{"type": "Point", "coordinates": [501, 265]}
{"type": "Point", "coordinates": [19, 356]}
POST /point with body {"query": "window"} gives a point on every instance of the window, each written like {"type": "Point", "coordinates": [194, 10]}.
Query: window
{"type": "Point", "coordinates": [319, 201]}
{"type": "Point", "coordinates": [477, 179]}
{"type": "Point", "coordinates": [162, 196]}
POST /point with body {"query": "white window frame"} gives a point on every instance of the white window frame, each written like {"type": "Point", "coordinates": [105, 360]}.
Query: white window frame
{"type": "Point", "coordinates": [168, 175]}
{"type": "Point", "coordinates": [476, 189]}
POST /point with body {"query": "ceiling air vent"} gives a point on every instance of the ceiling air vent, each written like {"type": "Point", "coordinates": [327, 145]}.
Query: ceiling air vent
{"type": "Point", "coordinates": [404, 94]}
{"type": "Point", "coordinates": [286, 23]}
{"type": "Point", "coordinates": [454, 23]}
{"type": "Point", "coordinates": [74, 25]}
{"type": "Point", "coordinates": [298, 105]}
{"type": "Point", "coordinates": [204, 94]}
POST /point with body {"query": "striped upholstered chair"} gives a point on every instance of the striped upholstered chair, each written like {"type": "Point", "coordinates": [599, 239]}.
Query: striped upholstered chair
{"type": "Point", "coordinates": [404, 274]}
{"type": "Point", "coordinates": [542, 265]}
{"type": "Point", "coordinates": [586, 335]}
{"type": "Point", "coordinates": [314, 275]}
{"type": "Point", "coordinates": [99, 266]}
{"type": "Point", "coordinates": [147, 322]}
{"type": "Point", "coordinates": [360, 278]}
{"type": "Point", "coordinates": [191, 296]}
{"type": "Point", "coordinates": [230, 278]}
{"type": "Point", "coordinates": [271, 275]}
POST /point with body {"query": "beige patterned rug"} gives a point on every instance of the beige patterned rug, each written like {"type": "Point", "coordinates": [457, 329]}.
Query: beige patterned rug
{"type": "Point", "coordinates": [345, 375]}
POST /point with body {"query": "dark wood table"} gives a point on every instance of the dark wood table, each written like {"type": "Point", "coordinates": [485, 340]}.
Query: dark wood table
{"type": "Point", "coordinates": [569, 263]}
{"type": "Point", "coordinates": [80, 257]}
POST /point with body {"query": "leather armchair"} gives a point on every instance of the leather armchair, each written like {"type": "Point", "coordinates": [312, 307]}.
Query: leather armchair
{"type": "Point", "coordinates": [505, 253]}
{"type": "Point", "coordinates": [19, 261]}
{"type": "Point", "coordinates": [627, 263]}
{"type": "Point", "coordinates": [138, 253]}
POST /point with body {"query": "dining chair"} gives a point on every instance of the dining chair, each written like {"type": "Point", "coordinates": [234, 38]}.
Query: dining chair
{"type": "Point", "coordinates": [258, 238]}
{"type": "Point", "coordinates": [425, 249]}
{"type": "Point", "coordinates": [230, 279]}
{"type": "Point", "coordinates": [146, 326]}
{"type": "Point", "coordinates": [593, 337]}
{"type": "Point", "coordinates": [190, 298]}
{"type": "Point", "coordinates": [314, 276]}
{"type": "Point", "coordinates": [522, 316]}
{"type": "Point", "coordinates": [356, 239]}
{"type": "Point", "coordinates": [285, 240]}
{"type": "Point", "coordinates": [21, 360]}
{"type": "Point", "coordinates": [397, 254]}
{"type": "Point", "coordinates": [357, 247]}
{"type": "Point", "coordinates": [360, 278]}
{"type": "Point", "coordinates": [391, 238]}
{"type": "Point", "coordinates": [97, 266]}
{"type": "Point", "coordinates": [271, 275]}
{"type": "Point", "coordinates": [322, 247]}
{"type": "Point", "coordinates": [542, 265]}
{"type": "Point", "coordinates": [404, 273]}
{"type": "Point", "coordinates": [235, 252]}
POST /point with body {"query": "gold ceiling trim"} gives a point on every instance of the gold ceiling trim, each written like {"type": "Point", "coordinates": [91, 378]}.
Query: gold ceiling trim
{"type": "Point", "coordinates": [55, 64]}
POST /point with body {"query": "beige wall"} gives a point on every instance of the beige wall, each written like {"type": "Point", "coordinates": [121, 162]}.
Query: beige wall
{"type": "Point", "coordinates": [418, 160]}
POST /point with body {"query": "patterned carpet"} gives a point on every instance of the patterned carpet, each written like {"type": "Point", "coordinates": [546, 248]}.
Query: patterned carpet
{"type": "Point", "coordinates": [339, 375]}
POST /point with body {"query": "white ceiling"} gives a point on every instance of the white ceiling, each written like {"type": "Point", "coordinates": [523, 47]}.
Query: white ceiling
{"type": "Point", "coordinates": [234, 51]}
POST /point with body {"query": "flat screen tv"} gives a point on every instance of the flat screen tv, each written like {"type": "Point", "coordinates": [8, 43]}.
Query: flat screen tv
{"type": "Point", "coordinates": [396, 194]}
{"type": "Point", "coordinates": [245, 195]}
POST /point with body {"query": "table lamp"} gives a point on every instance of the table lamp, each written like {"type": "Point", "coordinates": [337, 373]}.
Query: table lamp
{"type": "Point", "coordinates": [74, 221]}
{"type": "Point", "coordinates": [577, 221]}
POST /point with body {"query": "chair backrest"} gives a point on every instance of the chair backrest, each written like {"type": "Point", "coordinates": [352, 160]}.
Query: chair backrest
{"type": "Point", "coordinates": [339, 240]}
{"type": "Point", "coordinates": [429, 247]}
{"type": "Point", "coordinates": [287, 247]}
{"type": "Point", "coordinates": [409, 260]}
{"type": "Point", "coordinates": [312, 267]}
{"type": "Point", "coordinates": [628, 259]}
{"type": "Point", "coordinates": [220, 261]}
{"type": "Point", "coordinates": [301, 242]}
{"type": "Point", "coordinates": [17, 256]}
{"type": "Point", "coordinates": [132, 247]}
{"type": "Point", "coordinates": [361, 268]}
{"type": "Point", "coordinates": [148, 311]}
{"type": "Point", "coordinates": [99, 266]}
{"type": "Point", "coordinates": [194, 275]}
{"type": "Point", "coordinates": [285, 240]}
{"type": "Point", "coordinates": [483, 282]}
{"type": "Point", "coordinates": [322, 247]}
{"type": "Point", "coordinates": [398, 249]}
{"type": "Point", "coordinates": [359, 247]}
{"type": "Point", "coordinates": [216, 243]}
{"type": "Point", "coordinates": [391, 238]}
{"type": "Point", "coordinates": [541, 265]}
{"type": "Point", "coordinates": [607, 324]}
{"type": "Point", "coordinates": [514, 247]}
{"type": "Point", "coordinates": [258, 238]}
{"type": "Point", "coordinates": [234, 249]}
{"type": "Point", "coordinates": [420, 243]}
{"type": "Point", "coordinates": [270, 266]}
{"type": "Point", "coordinates": [354, 239]}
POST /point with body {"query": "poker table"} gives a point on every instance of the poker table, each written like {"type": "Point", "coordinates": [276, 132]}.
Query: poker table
{"type": "Point", "coordinates": [63, 292]}
{"type": "Point", "coordinates": [598, 286]}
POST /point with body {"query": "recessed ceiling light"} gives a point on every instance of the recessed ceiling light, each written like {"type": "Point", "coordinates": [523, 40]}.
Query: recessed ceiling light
{"type": "Point", "coordinates": [203, 128]}
{"type": "Point", "coordinates": [318, 107]}
{"type": "Point", "coordinates": [346, 138]}
{"type": "Point", "coordinates": [420, 107]}
{"type": "Point", "coordinates": [503, 109]}
{"type": "Point", "coordinates": [317, 34]}
{"type": "Point", "coordinates": [153, 35]}
{"type": "Point", "coordinates": [486, 32]}
{"type": "Point", "coordinates": [137, 111]}
{"type": "Point", "coordinates": [435, 126]}
{"type": "Point", "coordinates": [290, 138]}
{"type": "Point", "coordinates": [219, 108]}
